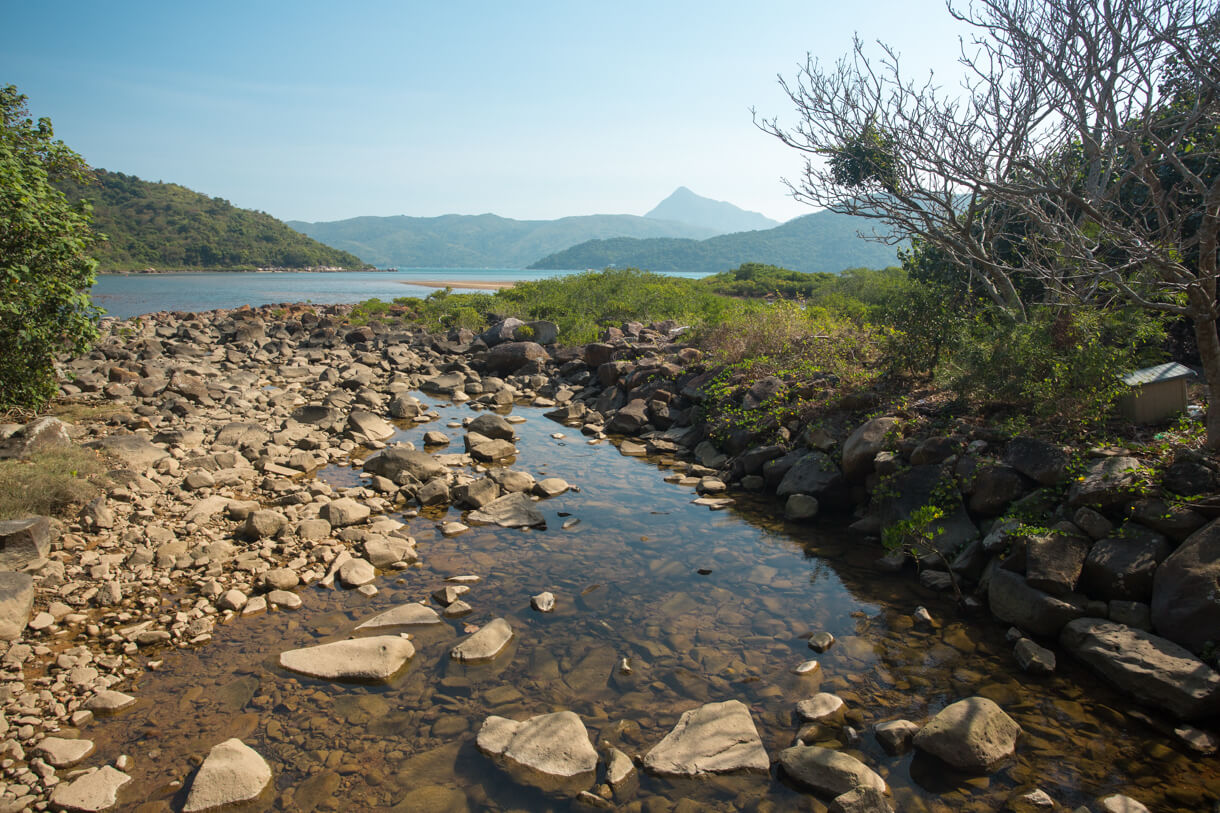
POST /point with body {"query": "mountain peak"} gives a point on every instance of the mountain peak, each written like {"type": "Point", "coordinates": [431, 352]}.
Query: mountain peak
{"type": "Point", "coordinates": [685, 206]}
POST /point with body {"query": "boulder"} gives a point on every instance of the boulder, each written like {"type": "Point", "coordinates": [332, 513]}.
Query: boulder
{"type": "Point", "coordinates": [861, 800]}
{"type": "Point", "coordinates": [317, 415]}
{"type": "Point", "coordinates": [972, 735]}
{"type": "Point", "coordinates": [501, 331]}
{"type": "Point", "coordinates": [263, 523]}
{"type": "Point", "coordinates": [401, 462]}
{"type": "Point", "coordinates": [1013, 601]}
{"type": "Point", "coordinates": [16, 603]}
{"type": "Point", "coordinates": [39, 435]}
{"type": "Point", "coordinates": [910, 490]}
{"type": "Point", "coordinates": [356, 573]}
{"type": "Point", "coordinates": [23, 541]}
{"type": "Point", "coordinates": [863, 444]}
{"type": "Point", "coordinates": [404, 405]}
{"type": "Point", "coordinates": [136, 452]}
{"type": "Point", "coordinates": [1185, 596]}
{"type": "Point", "coordinates": [476, 493]}
{"type": "Point", "coordinates": [371, 426]}
{"type": "Point", "coordinates": [485, 644]}
{"type": "Point", "coordinates": [512, 356]}
{"type": "Point", "coordinates": [1034, 659]}
{"type": "Point", "coordinates": [96, 790]}
{"type": "Point", "coordinates": [1154, 670]}
{"type": "Point", "coordinates": [491, 425]}
{"type": "Point", "coordinates": [1053, 562]}
{"type": "Point", "coordinates": [550, 751]}
{"type": "Point", "coordinates": [713, 738]}
{"type": "Point", "coordinates": [1123, 567]}
{"type": "Point", "coordinates": [515, 510]}
{"type": "Point", "coordinates": [828, 771]}
{"type": "Point", "coordinates": [1108, 483]}
{"type": "Point", "coordinates": [64, 753]}
{"type": "Point", "coordinates": [343, 512]}
{"type": "Point", "coordinates": [541, 331]}
{"type": "Point", "coordinates": [385, 552]}
{"type": "Point", "coordinates": [491, 451]}
{"type": "Point", "coordinates": [630, 419]}
{"type": "Point", "coordinates": [995, 488]}
{"type": "Point", "coordinates": [362, 659]}
{"type": "Point", "coordinates": [1038, 460]}
{"type": "Point", "coordinates": [815, 474]}
{"type": "Point", "coordinates": [405, 615]}
{"type": "Point", "coordinates": [233, 772]}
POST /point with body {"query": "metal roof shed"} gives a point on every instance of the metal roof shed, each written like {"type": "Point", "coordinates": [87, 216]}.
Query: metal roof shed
{"type": "Point", "coordinates": [1157, 393]}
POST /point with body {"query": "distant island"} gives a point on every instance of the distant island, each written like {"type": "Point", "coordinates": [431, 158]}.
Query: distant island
{"type": "Point", "coordinates": [822, 241]}
{"type": "Point", "coordinates": [167, 228]}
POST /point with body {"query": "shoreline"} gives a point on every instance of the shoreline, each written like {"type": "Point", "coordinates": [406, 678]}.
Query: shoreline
{"type": "Point", "coordinates": [467, 285]}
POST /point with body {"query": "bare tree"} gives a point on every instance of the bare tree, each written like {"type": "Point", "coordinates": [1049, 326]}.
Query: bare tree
{"type": "Point", "coordinates": [1090, 126]}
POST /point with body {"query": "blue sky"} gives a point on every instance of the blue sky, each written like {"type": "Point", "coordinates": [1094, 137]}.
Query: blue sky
{"type": "Point", "coordinates": [313, 111]}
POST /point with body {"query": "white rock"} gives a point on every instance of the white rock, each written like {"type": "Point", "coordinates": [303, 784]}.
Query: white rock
{"type": "Point", "coordinates": [63, 753]}
{"type": "Point", "coordinates": [376, 658]}
{"type": "Point", "coordinates": [713, 738]}
{"type": "Point", "coordinates": [233, 772]}
{"type": "Point", "coordinates": [405, 615]}
{"type": "Point", "coordinates": [484, 644]}
{"type": "Point", "coordinates": [98, 790]}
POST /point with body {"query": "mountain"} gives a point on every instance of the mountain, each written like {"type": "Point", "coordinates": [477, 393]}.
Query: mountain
{"type": "Point", "coordinates": [684, 206]}
{"type": "Point", "coordinates": [168, 227]}
{"type": "Point", "coordinates": [822, 241]}
{"type": "Point", "coordinates": [480, 241]}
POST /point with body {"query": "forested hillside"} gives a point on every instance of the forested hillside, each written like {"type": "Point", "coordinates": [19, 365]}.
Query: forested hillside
{"type": "Point", "coordinates": [167, 227]}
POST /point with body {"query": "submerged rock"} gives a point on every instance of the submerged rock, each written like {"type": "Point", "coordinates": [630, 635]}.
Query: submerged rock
{"type": "Point", "coordinates": [405, 615]}
{"type": "Point", "coordinates": [514, 510]}
{"type": "Point", "coordinates": [233, 772]}
{"type": "Point", "coordinates": [713, 738]}
{"type": "Point", "coordinates": [550, 751]}
{"type": "Point", "coordinates": [485, 644]}
{"type": "Point", "coordinates": [376, 658]}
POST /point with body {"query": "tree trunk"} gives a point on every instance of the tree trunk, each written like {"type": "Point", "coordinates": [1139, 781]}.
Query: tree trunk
{"type": "Point", "coordinates": [1209, 354]}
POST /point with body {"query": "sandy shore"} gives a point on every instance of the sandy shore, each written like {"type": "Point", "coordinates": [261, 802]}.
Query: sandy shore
{"type": "Point", "coordinates": [433, 283]}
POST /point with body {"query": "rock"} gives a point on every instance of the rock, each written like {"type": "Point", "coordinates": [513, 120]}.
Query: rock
{"type": "Point", "coordinates": [800, 506]}
{"type": "Point", "coordinates": [23, 541]}
{"type": "Point", "coordinates": [815, 474]}
{"type": "Point", "coordinates": [512, 356]}
{"type": "Point", "coordinates": [1118, 803]}
{"type": "Point", "coordinates": [16, 603]}
{"type": "Point", "coordinates": [896, 735]}
{"type": "Point", "coordinates": [995, 488]}
{"type": "Point", "coordinates": [863, 444]}
{"type": "Point", "coordinates": [1123, 567]}
{"type": "Point", "coordinates": [491, 425]}
{"type": "Point", "coordinates": [550, 487]}
{"type": "Point", "coordinates": [1154, 670]}
{"type": "Point", "coordinates": [108, 701]}
{"type": "Point", "coordinates": [1034, 659]}
{"type": "Point", "coordinates": [910, 490]}
{"type": "Point", "coordinates": [1014, 602]}
{"type": "Point", "coordinates": [972, 735]}
{"type": "Point", "coordinates": [399, 462]}
{"type": "Point", "coordinates": [1107, 483]}
{"type": "Point", "coordinates": [98, 790]}
{"type": "Point", "coordinates": [1185, 596]}
{"type": "Point", "coordinates": [713, 738]}
{"type": "Point", "coordinates": [1038, 460]}
{"type": "Point", "coordinates": [821, 641]}
{"type": "Point", "coordinates": [404, 615]}
{"type": "Point", "coordinates": [389, 551]}
{"type": "Point", "coordinates": [1053, 562]}
{"type": "Point", "coordinates": [284, 599]}
{"type": "Point", "coordinates": [1092, 523]}
{"type": "Point", "coordinates": [823, 707]}
{"type": "Point", "coordinates": [514, 510]}
{"type": "Point", "coordinates": [371, 426]}
{"type": "Point", "coordinates": [281, 578]}
{"type": "Point", "coordinates": [550, 751]}
{"type": "Point", "coordinates": [543, 602]}
{"type": "Point", "coordinates": [485, 644]}
{"type": "Point", "coordinates": [435, 438]}
{"type": "Point", "coordinates": [620, 773]}
{"type": "Point", "coordinates": [828, 771]}
{"type": "Point", "coordinates": [343, 512]}
{"type": "Point", "coordinates": [317, 415]}
{"type": "Point", "coordinates": [263, 524]}
{"type": "Point", "coordinates": [492, 451]}
{"type": "Point", "coordinates": [630, 419]}
{"type": "Point", "coordinates": [434, 492]}
{"type": "Point", "coordinates": [39, 435]}
{"type": "Point", "coordinates": [362, 659]}
{"type": "Point", "coordinates": [136, 452]}
{"type": "Point", "coordinates": [356, 573]}
{"type": "Point", "coordinates": [63, 753]}
{"type": "Point", "coordinates": [233, 772]}
{"type": "Point", "coordinates": [232, 600]}
{"type": "Point", "coordinates": [861, 800]}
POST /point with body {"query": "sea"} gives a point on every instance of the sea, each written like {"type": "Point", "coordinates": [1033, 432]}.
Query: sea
{"type": "Point", "coordinates": [126, 295]}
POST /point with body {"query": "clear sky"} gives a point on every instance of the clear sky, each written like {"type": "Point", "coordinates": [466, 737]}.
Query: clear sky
{"type": "Point", "coordinates": [323, 111]}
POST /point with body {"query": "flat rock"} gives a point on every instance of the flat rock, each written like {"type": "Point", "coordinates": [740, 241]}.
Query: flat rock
{"type": "Point", "coordinates": [98, 790]}
{"type": "Point", "coordinates": [551, 487]}
{"type": "Point", "coordinates": [361, 659]}
{"type": "Point", "coordinates": [550, 751]}
{"type": "Point", "coordinates": [108, 701]}
{"type": "Point", "coordinates": [1154, 670]}
{"type": "Point", "coordinates": [404, 615]}
{"type": "Point", "coordinates": [285, 599]}
{"type": "Point", "coordinates": [1107, 483]}
{"type": "Point", "coordinates": [822, 707]}
{"type": "Point", "coordinates": [713, 738]}
{"type": "Point", "coordinates": [136, 451]}
{"type": "Point", "coordinates": [343, 512]}
{"type": "Point", "coordinates": [233, 772]}
{"type": "Point", "coordinates": [1015, 602]}
{"type": "Point", "coordinates": [356, 573]}
{"type": "Point", "coordinates": [64, 753]}
{"type": "Point", "coordinates": [485, 644]}
{"type": "Point", "coordinates": [828, 771]}
{"type": "Point", "coordinates": [514, 510]}
{"type": "Point", "coordinates": [972, 735]}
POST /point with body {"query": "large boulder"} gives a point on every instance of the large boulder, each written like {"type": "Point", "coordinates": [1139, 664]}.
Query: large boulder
{"type": "Point", "coordinates": [828, 771]}
{"type": "Point", "coordinates": [1107, 483]}
{"type": "Point", "coordinates": [1053, 562]}
{"type": "Point", "coordinates": [512, 356]}
{"type": "Point", "coordinates": [501, 331]}
{"type": "Point", "coordinates": [16, 602]}
{"type": "Point", "coordinates": [23, 541]}
{"type": "Point", "coordinates": [1038, 460]}
{"type": "Point", "coordinates": [1013, 601]}
{"type": "Point", "coordinates": [363, 659]}
{"type": "Point", "coordinates": [630, 419]}
{"type": "Point", "coordinates": [1154, 670]}
{"type": "Point", "coordinates": [402, 462]}
{"type": "Point", "coordinates": [814, 474]}
{"type": "Point", "coordinates": [713, 738]}
{"type": "Point", "coordinates": [233, 772]}
{"type": "Point", "coordinates": [491, 425]}
{"type": "Point", "coordinates": [550, 751]}
{"type": "Point", "coordinates": [863, 444]}
{"type": "Point", "coordinates": [1123, 567]}
{"type": "Point", "coordinates": [908, 491]}
{"type": "Point", "coordinates": [373, 427]}
{"type": "Point", "coordinates": [1186, 591]}
{"type": "Point", "coordinates": [972, 735]}
{"type": "Point", "coordinates": [995, 488]}
{"type": "Point", "coordinates": [39, 435]}
{"type": "Point", "coordinates": [343, 512]}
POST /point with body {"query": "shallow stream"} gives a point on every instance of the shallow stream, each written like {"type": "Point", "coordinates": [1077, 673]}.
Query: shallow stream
{"type": "Point", "coordinates": [706, 605]}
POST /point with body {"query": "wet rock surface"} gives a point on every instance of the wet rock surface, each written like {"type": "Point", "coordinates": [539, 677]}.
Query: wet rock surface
{"type": "Point", "coordinates": [714, 738]}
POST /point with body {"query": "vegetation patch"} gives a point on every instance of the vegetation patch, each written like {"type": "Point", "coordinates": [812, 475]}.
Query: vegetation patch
{"type": "Point", "coordinates": [54, 483]}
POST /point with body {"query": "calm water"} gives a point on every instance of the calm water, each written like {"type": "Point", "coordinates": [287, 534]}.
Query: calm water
{"type": "Point", "coordinates": [131, 295]}
{"type": "Point", "coordinates": [706, 605]}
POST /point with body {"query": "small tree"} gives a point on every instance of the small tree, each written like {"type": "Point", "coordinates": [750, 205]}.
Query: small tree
{"type": "Point", "coordinates": [1081, 151]}
{"type": "Point", "coordinates": [45, 268]}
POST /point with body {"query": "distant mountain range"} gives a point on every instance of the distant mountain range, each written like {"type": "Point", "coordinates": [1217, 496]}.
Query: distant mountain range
{"type": "Point", "coordinates": [822, 241]}
{"type": "Point", "coordinates": [684, 206]}
{"type": "Point", "coordinates": [167, 227]}
{"type": "Point", "coordinates": [480, 241]}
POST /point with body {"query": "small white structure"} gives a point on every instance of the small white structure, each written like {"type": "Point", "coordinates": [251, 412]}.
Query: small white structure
{"type": "Point", "coordinates": [1157, 393]}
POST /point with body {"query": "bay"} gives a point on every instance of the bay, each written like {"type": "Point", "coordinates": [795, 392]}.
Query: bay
{"type": "Point", "coordinates": [126, 295]}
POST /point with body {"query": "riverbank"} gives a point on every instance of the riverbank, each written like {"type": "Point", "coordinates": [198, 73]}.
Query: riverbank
{"type": "Point", "coordinates": [478, 285]}
{"type": "Point", "coordinates": [234, 437]}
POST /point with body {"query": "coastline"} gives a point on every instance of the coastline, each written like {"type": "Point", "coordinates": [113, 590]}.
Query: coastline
{"type": "Point", "coordinates": [466, 284]}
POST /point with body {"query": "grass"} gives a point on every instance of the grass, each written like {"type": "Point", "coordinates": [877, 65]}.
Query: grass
{"type": "Point", "coordinates": [55, 483]}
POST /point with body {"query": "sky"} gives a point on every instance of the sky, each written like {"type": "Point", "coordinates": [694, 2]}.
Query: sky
{"type": "Point", "coordinates": [531, 110]}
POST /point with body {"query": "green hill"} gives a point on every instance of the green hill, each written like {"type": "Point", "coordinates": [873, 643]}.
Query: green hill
{"type": "Point", "coordinates": [480, 241]}
{"type": "Point", "coordinates": [167, 227]}
{"type": "Point", "coordinates": [822, 241]}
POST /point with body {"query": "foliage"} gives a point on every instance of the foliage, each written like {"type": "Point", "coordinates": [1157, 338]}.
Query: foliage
{"type": "Point", "coordinates": [867, 159]}
{"type": "Point", "coordinates": [916, 536]}
{"type": "Point", "coordinates": [51, 483]}
{"type": "Point", "coordinates": [166, 227]}
{"type": "Point", "coordinates": [45, 268]}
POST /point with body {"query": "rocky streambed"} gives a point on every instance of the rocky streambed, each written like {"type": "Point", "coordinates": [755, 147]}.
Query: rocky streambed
{"type": "Point", "coordinates": [280, 601]}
